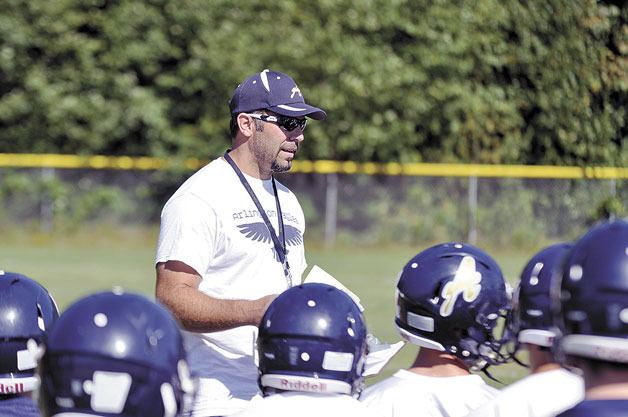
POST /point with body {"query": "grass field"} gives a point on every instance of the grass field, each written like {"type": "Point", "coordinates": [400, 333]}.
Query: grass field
{"type": "Point", "coordinates": [71, 267]}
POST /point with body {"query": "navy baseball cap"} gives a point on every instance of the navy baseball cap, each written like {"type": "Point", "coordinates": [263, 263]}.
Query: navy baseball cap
{"type": "Point", "coordinates": [274, 91]}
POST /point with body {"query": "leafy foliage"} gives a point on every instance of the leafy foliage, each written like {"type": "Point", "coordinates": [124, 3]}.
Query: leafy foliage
{"type": "Point", "coordinates": [509, 81]}
{"type": "Point", "coordinates": [62, 204]}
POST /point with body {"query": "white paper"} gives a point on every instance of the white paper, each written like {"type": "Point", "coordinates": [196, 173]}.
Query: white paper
{"type": "Point", "coordinates": [380, 354]}
{"type": "Point", "coordinates": [317, 274]}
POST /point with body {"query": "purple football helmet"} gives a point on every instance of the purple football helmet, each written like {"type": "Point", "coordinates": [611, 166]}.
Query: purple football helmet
{"type": "Point", "coordinates": [450, 298]}
{"type": "Point", "coordinates": [312, 338]}
{"type": "Point", "coordinates": [115, 354]}
{"type": "Point", "coordinates": [532, 318]}
{"type": "Point", "coordinates": [591, 298]}
{"type": "Point", "coordinates": [27, 312]}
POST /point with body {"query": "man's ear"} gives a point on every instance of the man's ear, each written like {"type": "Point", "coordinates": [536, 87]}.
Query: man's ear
{"type": "Point", "coordinates": [246, 124]}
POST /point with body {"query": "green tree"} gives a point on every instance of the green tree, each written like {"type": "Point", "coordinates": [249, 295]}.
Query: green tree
{"type": "Point", "coordinates": [571, 70]}
{"type": "Point", "coordinates": [509, 81]}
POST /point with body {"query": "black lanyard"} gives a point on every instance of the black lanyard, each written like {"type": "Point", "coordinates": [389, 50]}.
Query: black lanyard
{"type": "Point", "coordinates": [281, 249]}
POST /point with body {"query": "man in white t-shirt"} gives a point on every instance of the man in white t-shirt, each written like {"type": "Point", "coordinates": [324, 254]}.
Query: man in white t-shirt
{"type": "Point", "coordinates": [449, 299]}
{"type": "Point", "coordinates": [312, 349]}
{"type": "Point", "coordinates": [231, 238]}
{"type": "Point", "coordinates": [537, 394]}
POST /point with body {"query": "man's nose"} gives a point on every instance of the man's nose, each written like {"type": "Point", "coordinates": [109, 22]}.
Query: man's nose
{"type": "Point", "coordinates": [296, 135]}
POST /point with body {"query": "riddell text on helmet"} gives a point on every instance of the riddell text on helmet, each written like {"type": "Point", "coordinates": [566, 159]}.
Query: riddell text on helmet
{"type": "Point", "coordinates": [303, 386]}
{"type": "Point", "coordinates": [16, 388]}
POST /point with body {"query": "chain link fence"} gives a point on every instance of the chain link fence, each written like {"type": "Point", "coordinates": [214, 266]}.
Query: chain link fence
{"type": "Point", "coordinates": [339, 208]}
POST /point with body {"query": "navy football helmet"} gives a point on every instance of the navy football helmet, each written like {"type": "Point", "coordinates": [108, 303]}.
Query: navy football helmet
{"type": "Point", "coordinates": [450, 298]}
{"type": "Point", "coordinates": [27, 311]}
{"type": "Point", "coordinates": [532, 318]}
{"type": "Point", "coordinates": [115, 354]}
{"type": "Point", "coordinates": [312, 338]}
{"type": "Point", "coordinates": [592, 296]}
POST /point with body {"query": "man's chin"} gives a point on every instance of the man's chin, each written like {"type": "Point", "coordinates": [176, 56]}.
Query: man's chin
{"type": "Point", "coordinates": [279, 167]}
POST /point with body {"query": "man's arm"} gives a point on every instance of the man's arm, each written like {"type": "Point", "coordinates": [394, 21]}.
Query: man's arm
{"type": "Point", "coordinates": [177, 288]}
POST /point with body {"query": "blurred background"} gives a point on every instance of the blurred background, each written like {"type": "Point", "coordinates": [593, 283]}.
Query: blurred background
{"type": "Point", "coordinates": [497, 122]}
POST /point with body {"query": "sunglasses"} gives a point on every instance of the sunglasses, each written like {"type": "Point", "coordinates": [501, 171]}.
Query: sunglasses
{"type": "Point", "coordinates": [287, 123]}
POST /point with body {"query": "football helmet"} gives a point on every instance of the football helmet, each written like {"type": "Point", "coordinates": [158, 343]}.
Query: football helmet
{"type": "Point", "coordinates": [532, 318]}
{"type": "Point", "coordinates": [312, 338]}
{"type": "Point", "coordinates": [115, 353]}
{"type": "Point", "coordinates": [450, 298]}
{"type": "Point", "coordinates": [27, 311]}
{"type": "Point", "coordinates": [592, 295]}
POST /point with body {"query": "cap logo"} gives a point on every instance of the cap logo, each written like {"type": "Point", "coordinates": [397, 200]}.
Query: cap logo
{"type": "Point", "coordinates": [295, 90]}
{"type": "Point", "coordinates": [264, 78]}
{"type": "Point", "coordinates": [465, 282]}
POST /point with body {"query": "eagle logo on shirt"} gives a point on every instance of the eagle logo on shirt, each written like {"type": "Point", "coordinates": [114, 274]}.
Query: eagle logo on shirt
{"type": "Point", "coordinates": [465, 282]}
{"type": "Point", "coordinates": [258, 232]}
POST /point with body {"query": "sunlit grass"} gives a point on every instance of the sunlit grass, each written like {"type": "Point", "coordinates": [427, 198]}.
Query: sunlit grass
{"type": "Point", "coordinates": [101, 258]}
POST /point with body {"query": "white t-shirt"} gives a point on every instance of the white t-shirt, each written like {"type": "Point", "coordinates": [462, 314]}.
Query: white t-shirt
{"type": "Point", "coordinates": [306, 404]}
{"type": "Point", "coordinates": [409, 394]}
{"type": "Point", "coordinates": [212, 225]}
{"type": "Point", "coordinates": [544, 394]}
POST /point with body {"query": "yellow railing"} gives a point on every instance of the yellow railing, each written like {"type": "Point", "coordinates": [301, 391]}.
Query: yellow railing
{"type": "Point", "coordinates": [322, 167]}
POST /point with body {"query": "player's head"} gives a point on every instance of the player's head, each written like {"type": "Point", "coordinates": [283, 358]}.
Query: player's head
{"type": "Point", "coordinates": [114, 354]}
{"type": "Point", "coordinates": [450, 298]}
{"type": "Point", "coordinates": [312, 338]}
{"type": "Point", "coordinates": [27, 311]}
{"type": "Point", "coordinates": [532, 318]}
{"type": "Point", "coordinates": [592, 295]}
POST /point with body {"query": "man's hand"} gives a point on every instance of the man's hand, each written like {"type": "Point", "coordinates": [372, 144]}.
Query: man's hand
{"type": "Point", "coordinates": [261, 307]}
